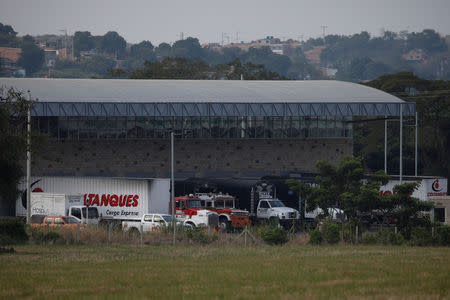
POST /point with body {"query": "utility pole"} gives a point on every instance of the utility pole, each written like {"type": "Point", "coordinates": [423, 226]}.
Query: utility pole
{"type": "Point", "coordinates": [401, 144]}
{"type": "Point", "coordinates": [172, 194]}
{"type": "Point", "coordinates": [28, 158]}
{"type": "Point", "coordinates": [65, 41]}
{"type": "Point", "coordinates": [323, 30]}
{"type": "Point", "coordinates": [181, 36]}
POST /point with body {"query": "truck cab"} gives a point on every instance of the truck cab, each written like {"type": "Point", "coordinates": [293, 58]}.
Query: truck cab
{"type": "Point", "coordinates": [189, 211]}
{"type": "Point", "coordinates": [79, 212]}
{"type": "Point", "coordinates": [271, 208]}
{"type": "Point", "coordinates": [148, 223]}
{"type": "Point", "coordinates": [53, 222]}
{"type": "Point", "coordinates": [225, 206]}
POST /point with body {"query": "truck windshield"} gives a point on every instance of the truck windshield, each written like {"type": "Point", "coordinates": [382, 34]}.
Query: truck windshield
{"type": "Point", "coordinates": [93, 212]}
{"type": "Point", "coordinates": [194, 204]}
{"type": "Point", "coordinates": [70, 220]}
{"type": "Point", "coordinates": [167, 218]}
{"type": "Point", "coordinates": [276, 203]}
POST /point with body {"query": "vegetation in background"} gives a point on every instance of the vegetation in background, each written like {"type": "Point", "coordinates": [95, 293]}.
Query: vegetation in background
{"type": "Point", "coordinates": [432, 100]}
{"type": "Point", "coordinates": [13, 125]}
{"type": "Point", "coordinates": [345, 187]}
{"type": "Point", "coordinates": [12, 232]}
{"type": "Point", "coordinates": [183, 68]}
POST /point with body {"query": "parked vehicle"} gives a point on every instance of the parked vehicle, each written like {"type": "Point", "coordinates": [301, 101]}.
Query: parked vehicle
{"type": "Point", "coordinates": [148, 222]}
{"type": "Point", "coordinates": [53, 222]}
{"type": "Point", "coordinates": [189, 211]}
{"type": "Point", "coordinates": [46, 204]}
{"type": "Point", "coordinates": [114, 199]}
{"type": "Point", "coordinates": [224, 205]}
{"type": "Point", "coordinates": [271, 208]}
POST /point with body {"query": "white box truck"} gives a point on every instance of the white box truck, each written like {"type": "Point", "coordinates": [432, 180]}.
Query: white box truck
{"type": "Point", "coordinates": [116, 199]}
{"type": "Point", "coordinates": [46, 204]}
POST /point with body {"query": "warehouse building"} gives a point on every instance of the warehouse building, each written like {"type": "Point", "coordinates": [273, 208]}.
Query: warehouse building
{"type": "Point", "coordinates": [223, 129]}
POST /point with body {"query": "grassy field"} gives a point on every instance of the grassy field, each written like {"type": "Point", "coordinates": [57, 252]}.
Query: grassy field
{"type": "Point", "coordinates": [195, 272]}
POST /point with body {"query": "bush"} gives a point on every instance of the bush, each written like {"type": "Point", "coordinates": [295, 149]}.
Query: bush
{"type": "Point", "coordinates": [198, 235]}
{"type": "Point", "coordinates": [275, 235]}
{"type": "Point", "coordinates": [369, 238]}
{"type": "Point", "coordinates": [420, 236]}
{"type": "Point", "coordinates": [40, 236]}
{"type": "Point", "coordinates": [331, 233]}
{"type": "Point", "coordinates": [387, 237]}
{"type": "Point", "coordinates": [315, 237]}
{"type": "Point", "coordinates": [443, 235]}
{"type": "Point", "coordinates": [12, 231]}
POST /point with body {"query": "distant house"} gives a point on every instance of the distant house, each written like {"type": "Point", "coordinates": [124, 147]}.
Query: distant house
{"type": "Point", "coordinates": [50, 56]}
{"type": "Point", "coordinates": [87, 54]}
{"type": "Point", "coordinates": [329, 72]}
{"type": "Point", "coordinates": [313, 55]}
{"type": "Point", "coordinates": [415, 55]}
{"type": "Point", "coordinates": [275, 44]}
{"type": "Point", "coordinates": [8, 59]}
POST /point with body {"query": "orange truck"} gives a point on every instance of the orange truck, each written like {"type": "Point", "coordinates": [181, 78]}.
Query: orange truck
{"type": "Point", "coordinates": [230, 217]}
{"type": "Point", "coordinates": [53, 222]}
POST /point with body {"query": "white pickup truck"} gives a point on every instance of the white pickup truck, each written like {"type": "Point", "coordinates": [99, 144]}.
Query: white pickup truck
{"type": "Point", "coordinates": [270, 208]}
{"type": "Point", "coordinates": [148, 222]}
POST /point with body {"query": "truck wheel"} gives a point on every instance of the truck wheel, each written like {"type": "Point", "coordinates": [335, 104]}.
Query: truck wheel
{"type": "Point", "coordinates": [189, 225]}
{"type": "Point", "coordinates": [134, 233]}
{"type": "Point", "coordinates": [273, 220]}
{"type": "Point", "coordinates": [224, 225]}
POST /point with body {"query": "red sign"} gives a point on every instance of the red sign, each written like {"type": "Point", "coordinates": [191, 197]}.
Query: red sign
{"type": "Point", "coordinates": [111, 200]}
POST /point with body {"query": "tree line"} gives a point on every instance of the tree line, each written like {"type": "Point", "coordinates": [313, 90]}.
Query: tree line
{"type": "Point", "coordinates": [356, 57]}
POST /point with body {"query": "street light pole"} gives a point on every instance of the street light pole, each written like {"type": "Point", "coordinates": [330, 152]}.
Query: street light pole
{"type": "Point", "coordinates": [28, 159]}
{"type": "Point", "coordinates": [172, 194]}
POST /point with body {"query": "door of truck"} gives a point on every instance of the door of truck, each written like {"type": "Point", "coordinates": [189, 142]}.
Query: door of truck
{"type": "Point", "coordinates": [263, 209]}
{"type": "Point", "coordinates": [147, 223]}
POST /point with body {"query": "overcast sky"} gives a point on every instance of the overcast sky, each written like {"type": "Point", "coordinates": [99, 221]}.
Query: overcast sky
{"type": "Point", "coordinates": [164, 20]}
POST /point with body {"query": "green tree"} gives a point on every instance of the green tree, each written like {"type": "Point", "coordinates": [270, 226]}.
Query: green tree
{"type": "Point", "coordinates": [82, 41]}
{"type": "Point", "coordinates": [433, 106]}
{"type": "Point", "coordinates": [188, 48]}
{"type": "Point", "coordinates": [98, 64]}
{"type": "Point", "coordinates": [32, 57]}
{"type": "Point", "coordinates": [428, 40]}
{"type": "Point", "coordinates": [408, 211]}
{"type": "Point", "coordinates": [8, 36]}
{"type": "Point", "coordinates": [13, 124]}
{"type": "Point", "coordinates": [143, 50]}
{"type": "Point", "coordinates": [113, 43]}
{"type": "Point", "coordinates": [163, 50]}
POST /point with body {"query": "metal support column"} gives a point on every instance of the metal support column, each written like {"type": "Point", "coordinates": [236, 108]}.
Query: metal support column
{"type": "Point", "coordinates": [385, 144]}
{"type": "Point", "coordinates": [416, 152]}
{"type": "Point", "coordinates": [172, 194]}
{"type": "Point", "coordinates": [28, 159]}
{"type": "Point", "coordinates": [401, 143]}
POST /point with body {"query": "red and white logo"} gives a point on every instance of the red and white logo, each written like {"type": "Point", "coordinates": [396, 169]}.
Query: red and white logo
{"type": "Point", "coordinates": [435, 186]}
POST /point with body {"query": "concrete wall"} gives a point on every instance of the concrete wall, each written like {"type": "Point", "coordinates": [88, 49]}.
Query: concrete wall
{"type": "Point", "coordinates": [200, 158]}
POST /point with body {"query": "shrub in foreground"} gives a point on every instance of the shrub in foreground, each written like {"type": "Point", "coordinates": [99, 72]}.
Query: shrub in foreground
{"type": "Point", "coordinates": [315, 237]}
{"type": "Point", "coordinates": [198, 235]}
{"type": "Point", "coordinates": [12, 231]}
{"type": "Point", "coordinates": [420, 236]}
{"type": "Point", "coordinates": [331, 233]}
{"type": "Point", "coordinates": [443, 235]}
{"type": "Point", "coordinates": [274, 234]}
{"type": "Point", "coordinates": [41, 236]}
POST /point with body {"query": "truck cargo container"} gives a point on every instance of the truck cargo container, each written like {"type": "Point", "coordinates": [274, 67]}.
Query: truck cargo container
{"type": "Point", "coordinates": [46, 204]}
{"type": "Point", "coordinates": [115, 198]}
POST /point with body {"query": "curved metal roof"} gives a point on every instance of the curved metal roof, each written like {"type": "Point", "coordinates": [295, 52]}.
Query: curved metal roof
{"type": "Point", "coordinates": [107, 97]}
